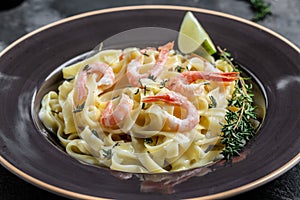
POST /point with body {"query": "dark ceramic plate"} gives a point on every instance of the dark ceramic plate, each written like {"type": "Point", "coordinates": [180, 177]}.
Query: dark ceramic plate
{"type": "Point", "coordinates": [28, 152]}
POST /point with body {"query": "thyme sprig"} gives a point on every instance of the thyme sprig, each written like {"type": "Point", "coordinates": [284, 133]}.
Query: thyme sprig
{"type": "Point", "coordinates": [238, 129]}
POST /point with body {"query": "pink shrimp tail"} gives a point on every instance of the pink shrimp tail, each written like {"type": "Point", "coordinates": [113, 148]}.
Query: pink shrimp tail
{"type": "Point", "coordinates": [81, 87]}
{"type": "Point", "coordinates": [167, 47]}
{"type": "Point", "coordinates": [192, 76]}
{"type": "Point", "coordinates": [163, 53]}
{"type": "Point", "coordinates": [161, 60]}
{"type": "Point", "coordinates": [167, 98]}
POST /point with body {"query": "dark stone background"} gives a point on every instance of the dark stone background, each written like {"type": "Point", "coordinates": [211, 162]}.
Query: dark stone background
{"type": "Point", "coordinates": [32, 14]}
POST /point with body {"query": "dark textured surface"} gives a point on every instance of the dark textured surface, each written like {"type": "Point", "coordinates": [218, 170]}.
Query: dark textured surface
{"type": "Point", "coordinates": [33, 14]}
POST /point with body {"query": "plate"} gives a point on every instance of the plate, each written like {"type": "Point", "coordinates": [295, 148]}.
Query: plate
{"type": "Point", "coordinates": [28, 152]}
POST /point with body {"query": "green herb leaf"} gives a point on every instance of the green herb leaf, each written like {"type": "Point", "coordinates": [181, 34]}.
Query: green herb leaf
{"type": "Point", "coordinates": [260, 8]}
{"type": "Point", "coordinates": [145, 54]}
{"type": "Point", "coordinates": [145, 90]}
{"type": "Point", "coordinates": [151, 77]}
{"type": "Point", "coordinates": [179, 69]}
{"type": "Point", "coordinates": [163, 83]}
{"type": "Point", "coordinates": [137, 91]}
{"type": "Point", "coordinates": [86, 68]}
{"type": "Point", "coordinates": [148, 140]}
{"type": "Point", "coordinates": [79, 108]}
{"type": "Point", "coordinates": [117, 144]}
{"type": "Point", "coordinates": [95, 133]}
{"type": "Point", "coordinates": [141, 83]}
{"type": "Point", "coordinates": [107, 153]}
{"type": "Point", "coordinates": [213, 102]}
{"type": "Point", "coordinates": [115, 97]}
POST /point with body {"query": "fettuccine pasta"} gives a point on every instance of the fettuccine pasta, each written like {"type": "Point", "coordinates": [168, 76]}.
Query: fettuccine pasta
{"type": "Point", "coordinates": [141, 110]}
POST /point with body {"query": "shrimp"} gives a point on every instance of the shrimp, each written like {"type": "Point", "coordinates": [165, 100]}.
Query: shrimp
{"type": "Point", "coordinates": [177, 124]}
{"type": "Point", "coordinates": [112, 117]}
{"type": "Point", "coordinates": [81, 86]}
{"type": "Point", "coordinates": [105, 78]}
{"type": "Point", "coordinates": [134, 66]}
{"type": "Point", "coordinates": [192, 76]}
{"type": "Point", "coordinates": [182, 82]}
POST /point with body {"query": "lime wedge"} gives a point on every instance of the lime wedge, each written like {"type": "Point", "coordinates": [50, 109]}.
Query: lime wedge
{"type": "Point", "coordinates": [204, 54]}
{"type": "Point", "coordinates": [192, 36]}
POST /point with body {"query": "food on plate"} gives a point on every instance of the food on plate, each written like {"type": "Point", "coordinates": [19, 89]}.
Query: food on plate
{"type": "Point", "coordinates": [150, 110]}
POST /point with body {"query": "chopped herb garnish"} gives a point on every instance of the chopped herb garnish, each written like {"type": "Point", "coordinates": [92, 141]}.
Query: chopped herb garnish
{"type": "Point", "coordinates": [95, 133]}
{"type": "Point", "coordinates": [117, 144]}
{"type": "Point", "coordinates": [137, 91]}
{"type": "Point", "coordinates": [140, 82]}
{"type": "Point", "coordinates": [151, 77]}
{"type": "Point", "coordinates": [107, 153]}
{"type": "Point", "coordinates": [115, 97]}
{"type": "Point", "coordinates": [143, 105]}
{"type": "Point", "coordinates": [179, 69]}
{"type": "Point", "coordinates": [79, 108]}
{"type": "Point", "coordinates": [148, 140]}
{"type": "Point", "coordinates": [86, 68]}
{"type": "Point", "coordinates": [145, 54]}
{"type": "Point", "coordinates": [145, 90]}
{"type": "Point", "coordinates": [163, 83]}
{"type": "Point", "coordinates": [213, 102]}
{"type": "Point", "coordinates": [238, 128]}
